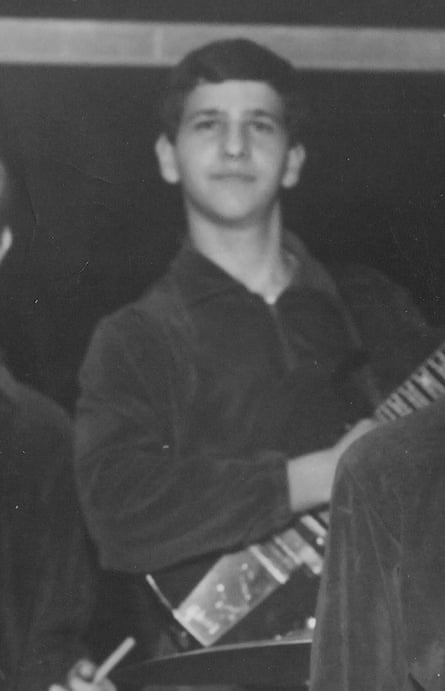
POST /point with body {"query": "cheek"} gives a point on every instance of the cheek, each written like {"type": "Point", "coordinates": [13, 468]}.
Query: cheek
{"type": "Point", "coordinates": [272, 152]}
{"type": "Point", "coordinates": [193, 161]}
{"type": "Point", "coordinates": [274, 166]}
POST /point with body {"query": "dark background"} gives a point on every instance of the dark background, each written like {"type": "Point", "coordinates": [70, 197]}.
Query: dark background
{"type": "Point", "coordinates": [396, 13]}
{"type": "Point", "coordinates": [96, 226]}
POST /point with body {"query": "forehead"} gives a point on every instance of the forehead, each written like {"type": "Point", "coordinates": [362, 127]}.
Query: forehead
{"type": "Point", "coordinates": [234, 96]}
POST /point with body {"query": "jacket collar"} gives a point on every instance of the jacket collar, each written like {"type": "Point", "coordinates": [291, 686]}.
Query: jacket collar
{"type": "Point", "coordinates": [200, 279]}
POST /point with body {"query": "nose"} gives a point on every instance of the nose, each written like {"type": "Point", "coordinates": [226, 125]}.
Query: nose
{"type": "Point", "coordinates": [235, 142]}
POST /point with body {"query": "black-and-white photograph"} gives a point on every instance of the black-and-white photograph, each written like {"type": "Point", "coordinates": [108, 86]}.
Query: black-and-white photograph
{"type": "Point", "coordinates": [222, 345]}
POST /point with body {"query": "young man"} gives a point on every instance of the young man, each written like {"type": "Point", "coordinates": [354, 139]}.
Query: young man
{"type": "Point", "coordinates": [216, 407]}
{"type": "Point", "coordinates": [381, 610]}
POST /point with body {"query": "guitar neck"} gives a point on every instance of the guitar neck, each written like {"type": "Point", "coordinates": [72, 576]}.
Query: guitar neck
{"type": "Point", "coordinates": [423, 387]}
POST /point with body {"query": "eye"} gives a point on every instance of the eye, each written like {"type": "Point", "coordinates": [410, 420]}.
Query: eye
{"type": "Point", "coordinates": [205, 124]}
{"type": "Point", "coordinates": [263, 126]}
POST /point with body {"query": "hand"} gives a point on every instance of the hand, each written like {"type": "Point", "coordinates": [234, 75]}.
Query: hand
{"type": "Point", "coordinates": [310, 477]}
{"type": "Point", "coordinates": [81, 678]}
{"type": "Point", "coordinates": [358, 430]}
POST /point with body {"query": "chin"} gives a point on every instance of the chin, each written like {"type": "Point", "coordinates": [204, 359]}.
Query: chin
{"type": "Point", "coordinates": [231, 213]}
{"type": "Point", "coordinates": [233, 219]}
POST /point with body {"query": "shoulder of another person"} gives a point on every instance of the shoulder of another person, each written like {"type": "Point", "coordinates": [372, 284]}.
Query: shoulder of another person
{"type": "Point", "coordinates": [406, 452]}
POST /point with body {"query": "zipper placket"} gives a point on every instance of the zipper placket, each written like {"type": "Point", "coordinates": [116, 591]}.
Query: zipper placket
{"type": "Point", "coordinates": [288, 356]}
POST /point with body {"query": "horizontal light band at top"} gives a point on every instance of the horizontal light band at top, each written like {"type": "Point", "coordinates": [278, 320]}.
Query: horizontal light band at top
{"type": "Point", "coordinates": [151, 44]}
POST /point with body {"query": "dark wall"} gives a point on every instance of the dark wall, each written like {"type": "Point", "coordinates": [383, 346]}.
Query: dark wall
{"type": "Point", "coordinates": [97, 226]}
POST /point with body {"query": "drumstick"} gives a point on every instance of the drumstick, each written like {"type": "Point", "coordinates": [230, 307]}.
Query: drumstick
{"type": "Point", "coordinates": [113, 659]}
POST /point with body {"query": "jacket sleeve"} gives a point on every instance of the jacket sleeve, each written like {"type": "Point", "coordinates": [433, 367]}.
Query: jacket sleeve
{"type": "Point", "coordinates": [148, 507]}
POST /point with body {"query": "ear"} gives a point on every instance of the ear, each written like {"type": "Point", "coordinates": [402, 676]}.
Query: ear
{"type": "Point", "coordinates": [296, 157]}
{"type": "Point", "coordinates": [166, 154]}
{"type": "Point", "coordinates": [5, 242]}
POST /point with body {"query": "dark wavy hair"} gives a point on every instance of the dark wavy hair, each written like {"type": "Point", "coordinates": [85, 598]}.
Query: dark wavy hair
{"type": "Point", "coordinates": [238, 59]}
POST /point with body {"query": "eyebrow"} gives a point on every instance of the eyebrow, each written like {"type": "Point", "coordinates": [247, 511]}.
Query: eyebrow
{"type": "Point", "coordinates": [255, 112]}
{"type": "Point", "coordinates": [202, 112]}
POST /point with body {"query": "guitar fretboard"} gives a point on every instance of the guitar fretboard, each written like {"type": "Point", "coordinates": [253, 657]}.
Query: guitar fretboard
{"type": "Point", "coordinates": [423, 387]}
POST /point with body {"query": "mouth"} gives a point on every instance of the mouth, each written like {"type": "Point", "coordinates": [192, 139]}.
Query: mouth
{"type": "Point", "coordinates": [235, 176]}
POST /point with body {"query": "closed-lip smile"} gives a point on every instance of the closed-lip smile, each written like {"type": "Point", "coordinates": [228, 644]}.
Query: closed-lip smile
{"type": "Point", "coordinates": [233, 175]}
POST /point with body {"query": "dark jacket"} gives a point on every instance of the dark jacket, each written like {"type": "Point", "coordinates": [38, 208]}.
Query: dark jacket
{"type": "Point", "coordinates": [45, 576]}
{"type": "Point", "coordinates": [194, 397]}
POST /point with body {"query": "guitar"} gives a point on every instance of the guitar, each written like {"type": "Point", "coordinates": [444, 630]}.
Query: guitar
{"type": "Point", "coordinates": [245, 595]}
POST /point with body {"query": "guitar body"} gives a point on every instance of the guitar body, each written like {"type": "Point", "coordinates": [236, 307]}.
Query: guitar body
{"type": "Point", "coordinates": [288, 610]}
{"type": "Point", "coordinates": [284, 610]}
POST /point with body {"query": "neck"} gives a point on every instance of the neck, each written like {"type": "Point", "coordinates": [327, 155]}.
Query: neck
{"type": "Point", "coordinates": [252, 254]}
